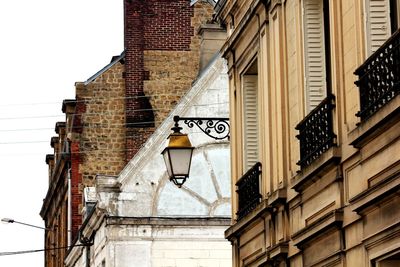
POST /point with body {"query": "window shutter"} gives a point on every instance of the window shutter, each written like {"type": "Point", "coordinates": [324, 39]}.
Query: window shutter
{"type": "Point", "coordinates": [314, 53]}
{"type": "Point", "coordinates": [378, 24]}
{"type": "Point", "coordinates": [250, 121]}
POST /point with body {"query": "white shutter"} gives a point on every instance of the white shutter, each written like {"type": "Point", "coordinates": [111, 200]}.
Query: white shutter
{"type": "Point", "coordinates": [314, 53]}
{"type": "Point", "coordinates": [378, 24]}
{"type": "Point", "coordinates": [250, 121]}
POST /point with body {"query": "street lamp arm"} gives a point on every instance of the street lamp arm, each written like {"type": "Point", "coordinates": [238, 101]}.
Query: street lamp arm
{"type": "Point", "coordinates": [8, 220]}
{"type": "Point", "coordinates": [217, 128]}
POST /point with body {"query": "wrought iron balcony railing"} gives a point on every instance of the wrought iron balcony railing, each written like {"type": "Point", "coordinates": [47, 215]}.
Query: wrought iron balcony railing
{"type": "Point", "coordinates": [316, 132]}
{"type": "Point", "coordinates": [379, 77]}
{"type": "Point", "coordinates": [248, 190]}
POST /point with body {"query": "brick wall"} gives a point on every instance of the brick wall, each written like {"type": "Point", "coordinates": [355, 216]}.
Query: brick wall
{"type": "Point", "coordinates": [162, 60]}
{"type": "Point", "coordinates": [76, 193]}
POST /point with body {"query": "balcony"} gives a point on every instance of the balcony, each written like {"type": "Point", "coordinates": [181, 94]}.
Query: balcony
{"type": "Point", "coordinates": [316, 132]}
{"type": "Point", "coordinates": [248, 190]}
{"type": "Point", "coordinates": [379, 77]}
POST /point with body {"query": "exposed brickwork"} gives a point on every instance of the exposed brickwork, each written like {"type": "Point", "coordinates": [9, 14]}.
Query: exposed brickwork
{"type": "Point", "coordinates": [167, 25]}
{"type": "Point", "coordinates": [138, 109]}
{"type": "Point", "coordinates": [138, 138]}
{"type": "Point", "coordinates": [76, 194]}
{"type": "Point", "coordinates": [162, 60]}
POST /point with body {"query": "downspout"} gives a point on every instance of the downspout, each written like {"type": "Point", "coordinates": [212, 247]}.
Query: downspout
{"type": "Point", "coordinates": [69, 212]}
{"type": "Point", "coordinates": [87, 256]}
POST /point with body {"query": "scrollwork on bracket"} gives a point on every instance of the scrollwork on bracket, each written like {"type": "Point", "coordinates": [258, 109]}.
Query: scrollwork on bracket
{"type": "Point", "coordinates": [217, 128]}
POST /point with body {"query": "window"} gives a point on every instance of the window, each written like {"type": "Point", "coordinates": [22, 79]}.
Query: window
{"type": "Point", "coordinates": [391, 260]}
{"type": "Point", "coordinates": [382, 20]}
{"type": "Point", "coordinates": [394, 15]}
{"type": "Point", "coordinates": [250, 116]}
{"type": "Point", "coordinates": [377, 23]}
{"type": "Point", "coordinates": [316, 52]}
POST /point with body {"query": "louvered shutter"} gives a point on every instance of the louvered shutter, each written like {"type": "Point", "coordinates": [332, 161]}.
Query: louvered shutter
{"type": "Point", "coordinates": [250, 121]}
{"type": "Point", "coordinates": [378, 23]}
{"type": "Point", "coordinates": [314, 53]}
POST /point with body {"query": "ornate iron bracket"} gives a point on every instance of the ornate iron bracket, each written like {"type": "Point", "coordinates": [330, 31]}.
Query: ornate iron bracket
{"type": "Point", "coordinates": [217, 128]}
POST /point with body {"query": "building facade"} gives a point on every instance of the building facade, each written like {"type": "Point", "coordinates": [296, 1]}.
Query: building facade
{"type": "Point", "coordinates": [55, 209]}
{"type": "Point", "coordinates": [314, 109]}
{"type": "Point", "coordinates": [141, 218]}
{"type": "Point", "coordinates": [90, 141]}
{"type": "Point", "coordinates": [117, 109]}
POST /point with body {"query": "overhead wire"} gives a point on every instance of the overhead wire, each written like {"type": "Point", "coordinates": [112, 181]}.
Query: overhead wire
{"type": "Point", "coordinates": [47, 141]}
{"type": "Point", "coordinates": [88, 125]}
{"type": "Point", "coordinates": [105, 113]}
{"type": "Point", "coordinates": [86, 100]}
{"type": "Point", "coordinates": [9, 253]}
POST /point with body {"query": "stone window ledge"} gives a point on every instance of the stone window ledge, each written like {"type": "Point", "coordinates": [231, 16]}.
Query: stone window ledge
{"type": "Point", "coordinates": [330, 220]}
{"type": "Point", "coordinates": [373, 195]}
{"type": "Point", "coordinates": [277, 197]}
{"type": "Point", "coordinates": [279, 250]}
{"type": "Point", "coordinates": [240, 225]}
{"type": "Point", "coordinates": [320, 166]}
{"type": "Point", "coordinates": [376, 124]}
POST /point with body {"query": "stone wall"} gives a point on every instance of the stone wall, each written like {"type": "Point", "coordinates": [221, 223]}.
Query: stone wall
{"type": "Point", "coordinates": [98, 138]}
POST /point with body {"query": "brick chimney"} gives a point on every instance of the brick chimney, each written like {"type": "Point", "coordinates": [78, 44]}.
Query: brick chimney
{"type": "Point", "coordinates": [162, 59]}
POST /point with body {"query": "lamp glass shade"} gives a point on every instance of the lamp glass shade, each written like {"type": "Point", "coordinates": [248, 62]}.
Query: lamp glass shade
{"type": "Point", "coordinates": [167, 161]}
{"type": "Point", "coordinates": [177, 161]}
{"type": "Point", "coordinates": [178, 157]}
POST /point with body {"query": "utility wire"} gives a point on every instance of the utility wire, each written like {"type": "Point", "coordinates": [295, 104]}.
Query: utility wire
{"type": "Point", "coordinates": [36, 250]}
{"type": "Point", "coordinates": [88, 125]}
{"type": "Point", "coordinates": [88, 100]}
{"type": "Point", "coordinates": [32, 117]}
{"type": "Point", "coordinates": [94, 126]}
{"type": "Point", "coordinates": [105, 113]}
{"type": "Point", "coordinates": [23, 142]}
{"type": "Point", "coordinates": [43, 141]}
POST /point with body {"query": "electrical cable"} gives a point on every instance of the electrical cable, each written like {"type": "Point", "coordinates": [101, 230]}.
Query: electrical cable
{"type": "Point", "coordinates": [89, 100]}
{"type": "Point", "coordinates": [9, 253]}
{"type": "Point", "coordinates": [104, 113]}
{"type": "Point", "coordinates": [94, 126]}
{"type": "Point", "coordinates": [40, 141]}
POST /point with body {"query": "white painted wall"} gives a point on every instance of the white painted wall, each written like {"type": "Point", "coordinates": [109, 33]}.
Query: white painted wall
{"type": "Point", "coordinates": [164, 246]}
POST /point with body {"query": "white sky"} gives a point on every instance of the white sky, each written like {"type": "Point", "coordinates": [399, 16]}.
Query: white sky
{"type": "Point", "coordinates": [45, 47]}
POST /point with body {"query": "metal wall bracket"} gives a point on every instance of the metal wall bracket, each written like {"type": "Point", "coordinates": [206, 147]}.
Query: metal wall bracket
{"type": "Point", "coordinates": [216, 128]}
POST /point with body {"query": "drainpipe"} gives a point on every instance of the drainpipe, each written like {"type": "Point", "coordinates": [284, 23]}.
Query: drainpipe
{"type": "Point", "coordinates": [69, 227]}
{"type": "Point", "coordinates": [88, 256]}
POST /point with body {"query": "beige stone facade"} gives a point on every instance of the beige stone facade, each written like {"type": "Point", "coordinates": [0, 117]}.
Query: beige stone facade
{"type": "Point", "coordinates": [317, 185]}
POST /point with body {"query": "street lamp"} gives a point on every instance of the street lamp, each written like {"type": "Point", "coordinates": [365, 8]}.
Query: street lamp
{"type": "Point", "coordinates": [178, 154]}
{"type": "Point", "coordinates": [8, 220]}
